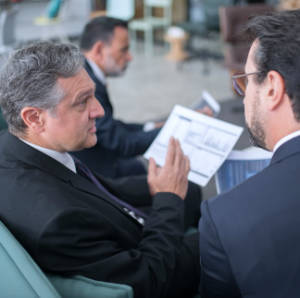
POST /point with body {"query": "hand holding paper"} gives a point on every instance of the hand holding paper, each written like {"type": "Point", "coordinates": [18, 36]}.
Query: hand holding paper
{"type": "Point", "coordinates": [205, 140]}
{"type": "Point", "coordinates": [172, 177]}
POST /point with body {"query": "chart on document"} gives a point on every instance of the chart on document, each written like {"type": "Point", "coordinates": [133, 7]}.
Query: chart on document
{"type": "Point", "coordinates": [205, 140]}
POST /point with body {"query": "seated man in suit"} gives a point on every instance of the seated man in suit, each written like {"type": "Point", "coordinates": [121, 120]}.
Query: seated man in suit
{"type": "Point", "coordinates": [249, 236]}
{"type": "Point", "coordinates": [105, 45]}
{"type": "Point", "coordinates": [71, 220]}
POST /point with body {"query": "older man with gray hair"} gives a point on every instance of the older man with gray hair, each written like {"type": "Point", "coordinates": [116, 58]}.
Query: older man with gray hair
{"type": "Point", "coordinates": [71, 220]}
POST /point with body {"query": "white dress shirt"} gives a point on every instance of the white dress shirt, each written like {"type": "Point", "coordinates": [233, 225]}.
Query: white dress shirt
{"type": "Point", "coordinates": [285, 139]}
{"type": "Point", "coordinates": [64, 158]}
{"type": "Point", "coordinates": [97, 72]}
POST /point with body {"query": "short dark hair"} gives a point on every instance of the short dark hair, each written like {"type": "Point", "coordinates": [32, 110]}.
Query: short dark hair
{"type": "Point", "coordinates": [100, 28]}
{"type": "Point", "coordinates": [278, 36]}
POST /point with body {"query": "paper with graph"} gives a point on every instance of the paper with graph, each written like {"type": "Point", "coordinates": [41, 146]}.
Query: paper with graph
{"type": "Point", "coordinates": [205, 140]}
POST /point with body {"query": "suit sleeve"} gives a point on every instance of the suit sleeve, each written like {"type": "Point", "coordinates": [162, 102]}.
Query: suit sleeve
{"type": "Point", "coordinates": [132, 189]}
{"type": "Point", "coordinates": [217, 280]}
{"type": "Point", "coordinates": [79, 241]}
{"type": "Point", "coordinates": [133, 127]}
{"type": "Point", "coordinates": [124, 139]}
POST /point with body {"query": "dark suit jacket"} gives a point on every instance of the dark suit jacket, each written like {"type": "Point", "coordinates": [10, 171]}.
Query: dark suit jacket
{"type": "Point", "coordinates": [249, 237]}
{"type": "Point", "coordinates": [118, 142]}
{"type": "Point", "coordinates": [70, 227]}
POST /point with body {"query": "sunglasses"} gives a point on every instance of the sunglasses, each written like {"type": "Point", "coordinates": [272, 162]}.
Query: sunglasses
{"type": "Point", "coordinates": [240, 81]}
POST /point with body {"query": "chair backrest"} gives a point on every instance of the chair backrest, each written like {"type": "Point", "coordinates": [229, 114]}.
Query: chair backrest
{"type": "Point", "coordinates": [21, 277]}
{"type": "Point", "coordinates": [166, 5]}
{"type": "Point", "coordinates": [82, 287]}
{"type": "Point", "coordinates": [211, 12]}
{"type": "Point", "coordinates": [158, 3]}
{"type": "Point", "coordinates": [124, 9]}
{"type": "Point", "coordinates": [233, 20]}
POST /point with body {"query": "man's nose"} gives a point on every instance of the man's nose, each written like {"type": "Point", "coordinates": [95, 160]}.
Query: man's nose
{"type": "Point", "coordinates": [97, 110]}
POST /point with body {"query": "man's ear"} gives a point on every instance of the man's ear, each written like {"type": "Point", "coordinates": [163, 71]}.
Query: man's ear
{"type": "Point", "coordinates": [97, 48]}
{"type": "Point", "coordinates": [274, 90]}
{"type": "Point", "coordinates": [33, 118]}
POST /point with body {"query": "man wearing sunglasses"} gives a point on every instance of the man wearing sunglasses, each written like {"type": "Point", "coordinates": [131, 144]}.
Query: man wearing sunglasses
{"type": "Point", "coordinates": [249, 237]}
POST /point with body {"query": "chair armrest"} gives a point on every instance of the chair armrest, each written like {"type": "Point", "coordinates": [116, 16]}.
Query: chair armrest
{"type": "Point", "coordinates": [83, 287]}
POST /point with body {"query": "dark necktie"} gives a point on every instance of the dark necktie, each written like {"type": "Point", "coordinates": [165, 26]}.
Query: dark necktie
{"type": "Point", "coordinates": [135, 213]}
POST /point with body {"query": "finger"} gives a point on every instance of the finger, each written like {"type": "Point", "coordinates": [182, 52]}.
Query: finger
{"type": "Point", "coordinates": [159, 124]}
{"type": "Point", "coordinates": [152, 169]}
{"type": "Point", "coordinates": [178, 162]}
{"type": "Point", "coordinates": [171, 152]}
{"type": "Point", "coordinates": [187, 164]}
{"type": "Point", "coordinates": [207, 111]}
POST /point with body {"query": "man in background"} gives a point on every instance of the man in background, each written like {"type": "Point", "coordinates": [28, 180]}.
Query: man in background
{"type": "Point", "coordinates": [249, 236]}
{"type": "Point", "coordinates": [105, 45]}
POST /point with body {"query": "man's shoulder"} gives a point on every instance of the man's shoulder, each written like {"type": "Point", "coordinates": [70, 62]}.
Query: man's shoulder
{"type": "Point", "coordinates": [258, 197]}
{"type": "Point", "coordinates": [237, 205]}
{"type": "Point", "coordinates": [243, 191]}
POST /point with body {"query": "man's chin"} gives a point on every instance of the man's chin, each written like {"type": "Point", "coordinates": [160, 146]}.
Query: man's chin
{"type": "Point", "coordinates": [117, 73]}
{"type": "Point", "coordinates": [258, 141]}
{"type": "Point", "coordinates": [91, 142]}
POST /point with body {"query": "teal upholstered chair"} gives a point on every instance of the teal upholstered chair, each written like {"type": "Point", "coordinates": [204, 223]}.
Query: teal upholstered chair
{"type": "Point", "coordinates": [124, 9]}
{"type": "Point", "coordinates": [82, 287]}
{"type": "Point", "coordinates": [21, 277]}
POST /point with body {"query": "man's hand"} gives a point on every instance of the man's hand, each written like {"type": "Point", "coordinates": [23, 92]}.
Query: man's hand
{"type": "Point", "coordinates": [172, 177]}
{"type": "Point", "coordinates": [206, 111]}
{"type": "Point", "coordinates": [159, 124]}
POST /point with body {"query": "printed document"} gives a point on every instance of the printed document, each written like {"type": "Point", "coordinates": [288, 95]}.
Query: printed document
{"type": "Point", "coordinates": [241, 165]}
{"type": "Point", "coordinates": [205, 140]}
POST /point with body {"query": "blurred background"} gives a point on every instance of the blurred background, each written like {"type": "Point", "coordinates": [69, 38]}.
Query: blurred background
{"type": "Point", "coordinates": [179, 47]}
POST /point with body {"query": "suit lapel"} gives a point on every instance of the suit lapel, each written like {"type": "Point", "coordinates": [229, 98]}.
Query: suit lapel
{"type": "Point", "coordinates": [85, 185]}
{"type": "Point", "coordinates": [16, 150]}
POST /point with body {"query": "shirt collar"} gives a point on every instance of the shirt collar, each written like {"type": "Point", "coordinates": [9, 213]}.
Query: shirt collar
{"type": "Point", "coordinates": [285, 139]}
{"type": "Point", "coordinates": [97, 71]}
{"type": "Point", "coordinates": [64, 158]}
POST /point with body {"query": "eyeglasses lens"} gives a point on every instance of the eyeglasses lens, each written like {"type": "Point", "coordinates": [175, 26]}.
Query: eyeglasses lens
{"type": "Point", "coordinates": [239, 85]}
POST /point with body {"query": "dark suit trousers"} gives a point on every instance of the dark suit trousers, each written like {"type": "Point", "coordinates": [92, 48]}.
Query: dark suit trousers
{"type": "Point", "coordinates": [185, 279]}
{"type": "Point", "coordinates": [184, 283]}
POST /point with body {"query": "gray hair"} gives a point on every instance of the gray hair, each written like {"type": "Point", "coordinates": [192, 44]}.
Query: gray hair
{"type": "Point", "coordinates": [29, 78]}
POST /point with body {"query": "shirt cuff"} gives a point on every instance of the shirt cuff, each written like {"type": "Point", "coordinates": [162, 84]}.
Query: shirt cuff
{"type": "Point", "coordinates": [149, 126]}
